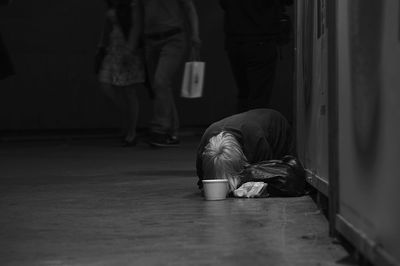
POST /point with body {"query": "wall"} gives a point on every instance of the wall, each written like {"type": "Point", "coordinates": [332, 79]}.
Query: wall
{"type": "Point", "coordinates": [369, 114]}
{"type": "Point", "coordinates": [53, 43]}
{"type": "Point", "coordinates": [312, 86]}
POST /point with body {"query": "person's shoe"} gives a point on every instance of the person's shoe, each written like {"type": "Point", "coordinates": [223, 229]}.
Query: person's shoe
{"type": "Point", "coordinates": [129, 143]}
{"type": "Point", "coordinates": [163, 140]}
{"type": "Point", "coordinates": [174, 139]}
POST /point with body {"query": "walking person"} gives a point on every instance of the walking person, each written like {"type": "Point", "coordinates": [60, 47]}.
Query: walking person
{"type": "Point", "coordinates": [251, 30]}
{"type": "Point", "coordinates": [121, 69]}
{"type": "Point", "coordinates": [166, 40]}
{"type": "Point", "coordinates": [6, 66]}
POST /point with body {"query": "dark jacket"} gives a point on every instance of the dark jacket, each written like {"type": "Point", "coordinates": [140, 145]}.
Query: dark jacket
{"type": "Point", "coordinates": [264, 134]}
{"type": "Point", "coordinates": [252, 17]}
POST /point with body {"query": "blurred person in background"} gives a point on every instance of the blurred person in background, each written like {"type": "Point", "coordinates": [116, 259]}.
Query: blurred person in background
{"type": "Point", "coordinates": [120, 62]}
{"type": "Point", "coordinates": [170, 28]}
{"type": "Point", "coordinates": [252, 29]}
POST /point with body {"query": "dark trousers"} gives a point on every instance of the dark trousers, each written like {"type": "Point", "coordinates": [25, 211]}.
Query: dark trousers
{"type": "Point", "coordinates": [164, 58]}
{"type": "Point", "coordinates": [253, 64]}
{"type": "Point", "coordinates": [6, 66]}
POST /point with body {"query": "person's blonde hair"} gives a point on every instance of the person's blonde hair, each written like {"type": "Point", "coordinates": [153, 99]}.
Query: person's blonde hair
{"type": "Point", "coordinates": [223, 158]}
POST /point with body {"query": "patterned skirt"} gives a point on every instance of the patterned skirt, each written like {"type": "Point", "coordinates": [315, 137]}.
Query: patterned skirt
{"type": "Point", "coordinates": [122, 69]}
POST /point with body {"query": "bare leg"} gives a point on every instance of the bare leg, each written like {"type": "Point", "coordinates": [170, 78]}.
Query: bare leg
{"type": "Point", "coordinates": [115, 94]}
{"type": "Point", "coordinates": [132, 111]}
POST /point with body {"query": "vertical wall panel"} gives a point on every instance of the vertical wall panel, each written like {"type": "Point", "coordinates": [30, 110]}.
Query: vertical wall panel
{"type": "Point", "coordinates": [311, 71]}
{"type": "Point", "coordinates": [369, 129]}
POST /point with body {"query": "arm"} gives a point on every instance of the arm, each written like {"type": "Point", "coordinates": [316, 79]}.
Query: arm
{"type": "Point", "coordinates": [193, 18]}
{"type": "Point", "coordinates": [137, 25]}
{"type": "Point", "coordinates": [208, 133]}
{"type": "Point", "coordinates": [104, 39]}
{"type": "Point", "coordinates": [102, 46]}
{"type": "Point", "coordinates": [5, 2]}
{"type": "Point", "coordinates": [199, 159]}
{"type": "Point", "coordinates": [199, 169]}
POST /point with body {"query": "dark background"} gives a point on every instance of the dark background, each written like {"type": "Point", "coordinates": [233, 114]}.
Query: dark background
{"type": "Point", "coordinates": [53, 43]}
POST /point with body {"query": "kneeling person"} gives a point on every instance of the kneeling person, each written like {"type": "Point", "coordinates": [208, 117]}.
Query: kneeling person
{"type": "Point", "coordinates": [229, 145]}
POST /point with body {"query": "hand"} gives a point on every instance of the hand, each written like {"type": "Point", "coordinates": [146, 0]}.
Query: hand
{"type": "Point", "coordinates": [196, 42]}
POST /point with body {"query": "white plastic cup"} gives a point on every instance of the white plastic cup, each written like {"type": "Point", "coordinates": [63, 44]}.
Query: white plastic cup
{"type": "Point", "coordinates": [215, 189]}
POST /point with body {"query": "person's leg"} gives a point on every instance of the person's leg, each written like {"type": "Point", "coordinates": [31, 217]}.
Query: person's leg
{"type": "Point", "coordinates": [132, 112]}
{"type": "Point", "coordinates": [152, 54]}
{"type": "Point", "coordinates": [261, 61]}
{"type": "Point", "coordinates": [165, 116]}
{"type": "Point", "coordinates": [238, 67]}
{"type": "Point", "coordinates": [115, 95]}
{"type": "Point", "coordinates": [111, 92]}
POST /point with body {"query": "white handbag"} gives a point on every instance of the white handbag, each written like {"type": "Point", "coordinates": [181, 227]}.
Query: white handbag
{"type": "Point", "coordinates": [193, 79]}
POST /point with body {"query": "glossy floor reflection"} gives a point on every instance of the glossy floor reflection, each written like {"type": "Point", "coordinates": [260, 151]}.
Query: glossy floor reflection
{"type": "Point", "coordinates": [94, 203]}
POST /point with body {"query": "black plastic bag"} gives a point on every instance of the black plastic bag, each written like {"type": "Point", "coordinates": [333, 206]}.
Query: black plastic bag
{"type": "Point", "coordinates": [285, 177]}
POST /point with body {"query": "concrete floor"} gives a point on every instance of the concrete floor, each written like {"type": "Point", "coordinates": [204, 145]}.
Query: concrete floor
{"type": "Point", "coordinates": [94, 203]}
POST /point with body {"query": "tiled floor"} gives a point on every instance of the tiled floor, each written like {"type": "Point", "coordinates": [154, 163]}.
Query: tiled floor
{"type": "Point", "coordinates": [94, 203]}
